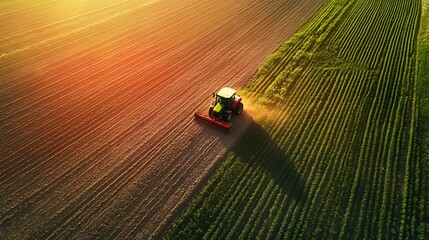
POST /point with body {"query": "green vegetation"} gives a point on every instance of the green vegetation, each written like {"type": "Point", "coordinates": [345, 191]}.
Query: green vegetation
{"type": "Point", "coordinates": [345, 154]}
{"type": "Point", "coordinates": [422, 87]}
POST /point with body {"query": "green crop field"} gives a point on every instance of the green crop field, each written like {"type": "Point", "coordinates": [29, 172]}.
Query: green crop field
{"type": "Point", "coordinates": [343, 151]}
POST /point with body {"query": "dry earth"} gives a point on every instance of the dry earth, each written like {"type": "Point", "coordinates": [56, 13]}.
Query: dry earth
{"type": "Point", "coordinates": [97, 137]}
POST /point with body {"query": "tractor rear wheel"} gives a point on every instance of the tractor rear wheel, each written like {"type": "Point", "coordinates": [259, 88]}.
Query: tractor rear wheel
{"type": "Point", "coordinates": [239, 109]}
{"type": "Point", "coordinates": [211, 111]}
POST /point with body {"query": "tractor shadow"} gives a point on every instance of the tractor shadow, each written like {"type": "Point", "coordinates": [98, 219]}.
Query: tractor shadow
{"type": "Point", "coordinates": [256, 147]}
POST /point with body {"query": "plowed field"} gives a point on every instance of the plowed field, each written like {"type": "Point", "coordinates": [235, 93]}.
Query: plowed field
{"type": "Point", "coordinates": [97, 137]}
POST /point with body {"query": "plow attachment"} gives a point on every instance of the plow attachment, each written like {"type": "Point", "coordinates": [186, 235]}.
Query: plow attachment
{"type": "Point", "coordinates": [225, 125]}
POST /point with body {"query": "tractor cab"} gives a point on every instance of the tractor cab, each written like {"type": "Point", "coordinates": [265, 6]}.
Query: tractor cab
{"type": "Point", "coordinates": [225, 97]}
{"type": "Point", "coordinates": [226, 102]}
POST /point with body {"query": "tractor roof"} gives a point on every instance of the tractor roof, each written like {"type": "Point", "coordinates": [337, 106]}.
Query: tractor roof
{"type": "Point", "coordinates": [226, 92]}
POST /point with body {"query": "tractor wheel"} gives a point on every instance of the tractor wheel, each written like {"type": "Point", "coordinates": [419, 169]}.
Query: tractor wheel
{"type": "Point", "coordinates": [227, 116]}
{"type": "Point", "coordinates": [239, 109]}
{"type": "Point", "coordinates": [211, 111]}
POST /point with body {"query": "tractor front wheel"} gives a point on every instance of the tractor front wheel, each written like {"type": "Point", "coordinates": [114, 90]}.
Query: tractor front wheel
{"type": "Point", "coordinates": [227, 116]}
{"type": "Point", "coordinates": [211, 111]}
{"type": "Point", "coordinates": [239, 109]}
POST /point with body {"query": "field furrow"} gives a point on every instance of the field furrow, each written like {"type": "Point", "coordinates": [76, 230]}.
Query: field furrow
{"type": "Point", "coordinates": [97, 136]}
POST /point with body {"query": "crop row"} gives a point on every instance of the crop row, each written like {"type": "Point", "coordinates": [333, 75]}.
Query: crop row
{"type": "Point", "coordinates": [338, 157]}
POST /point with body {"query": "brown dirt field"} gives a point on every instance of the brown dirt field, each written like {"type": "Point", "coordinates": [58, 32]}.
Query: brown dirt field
{"type": "Point", "coordinates": [97, 136]}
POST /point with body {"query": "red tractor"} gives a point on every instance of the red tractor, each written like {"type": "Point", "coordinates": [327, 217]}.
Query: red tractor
{"type": "Point", "coordinates": [225, 104]}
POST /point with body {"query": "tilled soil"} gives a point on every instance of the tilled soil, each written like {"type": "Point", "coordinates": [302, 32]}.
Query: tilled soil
{"type": "Point", "coordinates": [97, 136]}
